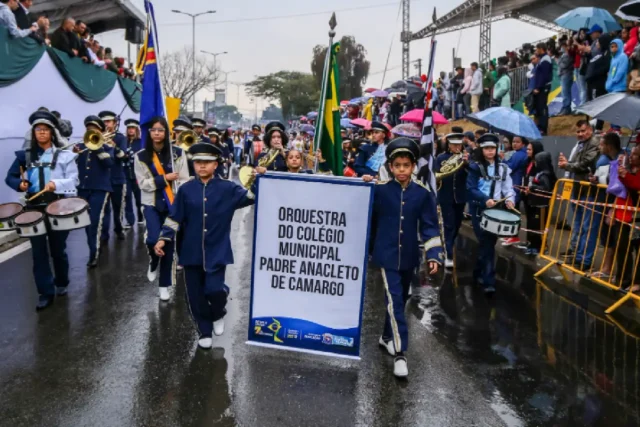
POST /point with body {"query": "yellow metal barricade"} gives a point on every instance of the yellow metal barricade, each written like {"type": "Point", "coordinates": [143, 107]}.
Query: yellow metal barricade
{"type": "Point", "coordinates": [588, 234]}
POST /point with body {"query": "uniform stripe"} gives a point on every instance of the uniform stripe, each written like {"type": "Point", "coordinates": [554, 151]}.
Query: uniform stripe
{"type": "Point", "coordinates": [397, 341]}
{"type": "Point", "coordinates": [99, 231]}
{"type": "Point", "coordinates": [123, 205]}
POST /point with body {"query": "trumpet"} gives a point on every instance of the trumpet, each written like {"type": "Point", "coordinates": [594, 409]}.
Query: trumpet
{"type": "Point", "coordinates": [93, 140]}
{"type": "Point", "coordinates": [186, 139]}
{"type": "Point", "coordinates": [247, 173]}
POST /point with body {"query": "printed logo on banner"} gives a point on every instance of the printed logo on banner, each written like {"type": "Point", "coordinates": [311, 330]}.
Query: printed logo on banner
{"type": "Point", "coordinates": [330, 339]}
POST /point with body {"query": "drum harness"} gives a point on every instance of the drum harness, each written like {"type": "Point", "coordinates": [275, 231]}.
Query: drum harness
{"type": "Point", "coordinates": [496, 176]}
{"type": "Point", "coordinates": [45, 199]}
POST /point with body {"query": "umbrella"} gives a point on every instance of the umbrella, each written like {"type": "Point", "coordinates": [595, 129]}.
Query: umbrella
{"type": "Point", "coordinates": [630, 11]}
{"type": "Point", "coordinates": [409, 130]}
{"type": "Point", "coordinates": [306, 128]}
{"type": "Point", "coordinates": [617, 108]}
{"type": "Point", "coordinates": [344, 102]}
{"type": "Point", "coordinates": [360, 122]}
{"type": "Point", "coordinates": [380, 94]}
{"type": "Point", "coordinates": [587, 17]}
{"type": "Point", "coordinates": [346, 123]}
{"type": "Point", "coordinates": [359, 100]}
{"type": "Point", "coordinates": [312, 115]}
{"type": "Point", "coordinates": [417, 116]}
{"type": "Point", "coordinates": [508, 121]}
{"type": "Point", "coordinates": [370, 89]}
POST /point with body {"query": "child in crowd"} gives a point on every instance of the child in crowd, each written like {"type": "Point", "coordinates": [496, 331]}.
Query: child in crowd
{"type": "Point", "coordinates": [537, 193]}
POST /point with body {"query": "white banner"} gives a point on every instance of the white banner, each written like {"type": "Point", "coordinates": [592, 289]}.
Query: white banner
{"type": "Point", "coordinates": [309, 262]}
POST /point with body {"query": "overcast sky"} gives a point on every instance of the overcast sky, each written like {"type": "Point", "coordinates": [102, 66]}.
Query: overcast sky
{"type": "Point", "coordinates": [262, 37]}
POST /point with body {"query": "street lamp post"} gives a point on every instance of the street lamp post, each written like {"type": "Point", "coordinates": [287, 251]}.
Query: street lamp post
{"type": "Point", "coordinates": [226, 83]}
{"type": "Point", "coordinates": [193, 46]}
{"type": "Point", "coordinates": [215, 56]}
{"type": "Point", "coordinates": [237, 85]}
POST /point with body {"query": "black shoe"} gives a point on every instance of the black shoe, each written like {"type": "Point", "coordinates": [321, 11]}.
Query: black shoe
{"type": "Point", "coordinates": [104, 239]}
{"type": "Point", "coordinates": [121, 236]}
{"type": "Point", "coordinates": [61, 291]}
{"type": "Point", "coordinates": [567, 254]}
{"type": "Point", "coordinates": [93, 263]}
{"type": "Point", "coordinates": [44, 301]}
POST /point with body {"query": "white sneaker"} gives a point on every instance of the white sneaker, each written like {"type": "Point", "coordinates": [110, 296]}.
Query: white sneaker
{"type": "Point", "coordinates": [205, 343]}
{"type": "Point", "coordinates": [164, 294]}
{"type": "Point", "coordinates": [151, 275]}
{"type": "Point", "coordinates": [179, 268]}
{"type": "Point", "coordinates": [400, 368]}
{"type": "Point", "coordinates": [448, 263]}
{"type": "Point", "coordinates": [388, 345]}
{"type": "Point", "coordinates": [218, 327]}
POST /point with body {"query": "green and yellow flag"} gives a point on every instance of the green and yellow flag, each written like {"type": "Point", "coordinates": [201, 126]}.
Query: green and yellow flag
{"type": "Point", "coordinates": [329, 120]}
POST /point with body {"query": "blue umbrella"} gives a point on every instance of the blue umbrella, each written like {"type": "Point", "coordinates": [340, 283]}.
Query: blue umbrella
{"type": "Point", "coordinates": [360, 100]}
{"type": "Point", "coordinates": [307, 128]}
{"type": "Point", "coordinates": [346, 123]}
{"type": "Point", "coordinates": [312, 115]}
{"type": "Point", "coordinates": [506, 120]}
{"type": "Point", "coordinates": [587, 17]}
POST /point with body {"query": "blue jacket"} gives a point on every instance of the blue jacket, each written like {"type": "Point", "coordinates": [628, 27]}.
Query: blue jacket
{"type": "Point", "coordinates": [203, 213]}
{"type": "Point", "coordinates": [454, 187]}
{"type": "Point", "coordinates": [94, 168]}
{"type": "Point", "coordinates": [476, 179]}
{"type": "Point", "coordinates": [402, 214]}
{"type": "Point", "coordinates": [133, 147]}
{"type": "Point", "coordinates": [279, 165]}
{"type": "Point", "coordinates": [617, 80]}
{"type": "Point", "coordinates": [543, 72]}
{"type": "Point", "coordinates": [365, 151]}
{"type": "Point", "coordinates": [518, 165]}
{"type": "Point", "coordinates": [118, 176]}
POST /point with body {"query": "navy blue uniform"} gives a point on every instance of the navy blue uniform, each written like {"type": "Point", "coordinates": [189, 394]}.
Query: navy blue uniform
{"type": "Point", "coordinates": [483, 184]}
{"type": "Point", "coordinates": [133, 190]}
{"type": "Point", "coordinates": [42, 167]}
{"type": "Point", "coordinates": [94, 168]}
{"type": "Point", "coordinates": [452, 197]}
{"type": "Point", "coordinates": [279, 164]}
{"type": "Point", "coordinates": [401, 215]}
{"type": "Point", "coordinates": [222, 171]}
{"type": "Point", "coordinates": [203, 214]}
{"type": "Point", "coordinates": [119, 184]}
{"type": "Point", "coordinates": [370, 159]}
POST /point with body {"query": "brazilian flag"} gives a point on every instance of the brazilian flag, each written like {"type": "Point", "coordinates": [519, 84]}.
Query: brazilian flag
{"type": "Point", "coordinates": [329, 119]}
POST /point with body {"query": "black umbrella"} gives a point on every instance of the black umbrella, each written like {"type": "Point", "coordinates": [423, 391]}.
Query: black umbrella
{"type": "Point", "coordinates": [630, 10]}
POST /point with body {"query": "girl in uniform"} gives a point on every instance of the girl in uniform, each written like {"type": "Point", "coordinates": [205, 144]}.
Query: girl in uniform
{"type": "Point", "coordinates": [488, 183]}
{"type": "Point", "coordinates": [159, 167]}
{"type": "Point", "coordinates": [274, 138]}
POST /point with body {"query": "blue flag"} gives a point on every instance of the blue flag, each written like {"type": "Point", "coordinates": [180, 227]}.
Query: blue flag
{"type": "Point", "coordinates": [152, 100]}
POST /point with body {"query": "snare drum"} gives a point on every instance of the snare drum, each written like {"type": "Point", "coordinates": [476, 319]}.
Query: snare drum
{"type": "Point", "coordinates": [31, 224]}
{"type": "Point", "coordinates": [8, 213]}
{"type": "Point", "coordinates": [500, 222]}
{"type": "Point", "coordinates": [68, 214]}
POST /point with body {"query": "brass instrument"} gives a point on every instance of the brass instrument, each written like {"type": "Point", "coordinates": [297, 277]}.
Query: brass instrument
{"type": "Point", "coordinates": [93, 140]}
{"type": "Point", "coordinates": [186, 139]}
{"type": "Point", "coordinates": [247, 174]}
{"type": "Point", "coordinates": [451, 166]}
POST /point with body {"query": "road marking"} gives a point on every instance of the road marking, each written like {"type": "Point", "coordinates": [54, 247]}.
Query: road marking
{"type": "Point", "coordinates": [16, 250]}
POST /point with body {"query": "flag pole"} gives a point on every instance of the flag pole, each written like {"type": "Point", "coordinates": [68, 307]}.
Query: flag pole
{"type": "Point", "coordinates": [323, 95]}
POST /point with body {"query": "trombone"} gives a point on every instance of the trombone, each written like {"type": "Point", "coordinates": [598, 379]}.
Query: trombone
{"type": "Point", "coordinates": [186, 139]}
{"type": "Point", "coordinates": [93, 140]}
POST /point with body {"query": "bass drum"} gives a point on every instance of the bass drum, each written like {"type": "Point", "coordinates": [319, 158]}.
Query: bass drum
{"type": "Point", "coordinates": [68, 214]}
{"type": "Point", "coordinates": [31, 224]}
{"type": "Point", "coordinates": [8, 213]}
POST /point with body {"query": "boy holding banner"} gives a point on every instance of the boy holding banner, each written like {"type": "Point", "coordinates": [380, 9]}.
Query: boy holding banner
{"type": "Point", "coordinates": [203, 211]}
{"type": "Point", "coordinates": [412, 207]}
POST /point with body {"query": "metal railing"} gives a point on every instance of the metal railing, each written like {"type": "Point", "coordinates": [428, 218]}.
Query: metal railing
{"type": "Point", "coordinates": [596, 220]}
{"type": "Point", "coordinates": [519, 82]}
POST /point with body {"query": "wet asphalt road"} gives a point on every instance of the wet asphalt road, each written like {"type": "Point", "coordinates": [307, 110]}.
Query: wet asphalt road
{"type": "Point", "coordinates": [111, 354]}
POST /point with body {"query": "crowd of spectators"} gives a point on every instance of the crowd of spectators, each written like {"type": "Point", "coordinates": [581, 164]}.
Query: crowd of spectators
{"type": "Point", "coordinates": [73, 37]}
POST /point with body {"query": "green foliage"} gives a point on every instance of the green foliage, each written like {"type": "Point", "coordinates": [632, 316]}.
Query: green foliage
{"type": "Point", "coordinates": [297, 92]}
{"type": "Point", "coordinates": [226, 113]}
{"type": "Point", "coordinates": [353, 65]}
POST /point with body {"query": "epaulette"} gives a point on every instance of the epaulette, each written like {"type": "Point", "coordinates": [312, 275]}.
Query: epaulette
{"type": "Point", "coordinates": [421, 185]}
{"type": "Point", "coordinates": [380, 182]}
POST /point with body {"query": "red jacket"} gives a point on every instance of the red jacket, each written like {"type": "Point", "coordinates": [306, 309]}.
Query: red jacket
{"type": "Point", "coordinates": [630, 45]}
{"type": "Point", "coordinates": [632, 183]}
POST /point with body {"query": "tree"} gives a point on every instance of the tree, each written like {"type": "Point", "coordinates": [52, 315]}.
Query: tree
{"type": "Point", "coordinates": [272, 112]}
{"type": "Point", "coordinates": [297, 92]}
{"type": "Point", "coordinates": [177, 71]}
{"type": "Point", "coordinates": [226, 113]}
{"type": "Point", "coordinates": [352, 63]}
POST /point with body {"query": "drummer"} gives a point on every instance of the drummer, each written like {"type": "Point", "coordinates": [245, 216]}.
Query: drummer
{"type": "Point", "coordinates": [488, 182]}
{"type": "Point", "coordinates": [452, 194]}
{"type": "Point", "coordinates": [371, 156]}
{"type": "Point", "coordinates": [134, 144]}
{"type": "Point", "coordinates": [95, 185]}
{"type": "Point", "coordinates": [275, 138]}
{"type": "Point", "coordinates": [44, 167]}
{"type": "Point", "coordinates": [157, 176]}
{"type": "Point", "coordinates": [198, 128]}
{"type": "Point", "coordinates": [118, 177]}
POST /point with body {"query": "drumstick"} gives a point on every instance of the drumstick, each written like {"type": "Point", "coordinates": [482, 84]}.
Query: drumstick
{"type": "Point", "coordinates": [22, 173]}
{"type": "Point", "coordinates": [512, 209]}
{"type": "Point", "coordinates": [35, 196]}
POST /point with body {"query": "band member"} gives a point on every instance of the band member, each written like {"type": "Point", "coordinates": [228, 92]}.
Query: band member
{"type": "Point", "coordinates": [371, 156]}
{"type": "Point", "coordinates": [222, 171]}
{"type": "Point", "coordinates": [157, 178]}
{"type": "Point", "coordinates": [179, 126]}
{"type": "Point", "coordinates": [95, 185]}
{"type": "Point", "coordinates": [253, 146]}
{"type": "Point", "coordinates": [405, 209]}
{"type": "Point", "coordinates": [43, 166]}
{"type": "Point", "coordinates": [134, 144]}
{"type": "Point", "coordinates": [203, 211]}
{"type": "Point", "coordinates": [118, 178]}
{"type": "Point", "coordinates": [274, 138]}
{"type": "Point", "coordinates": [488, 182]}
{"type": "Point", "coordinates": [198, 128]}
{"type": "Point", "coordinates": [452, 194]}
{"type": "Point", "coordinates": [295, 163]}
